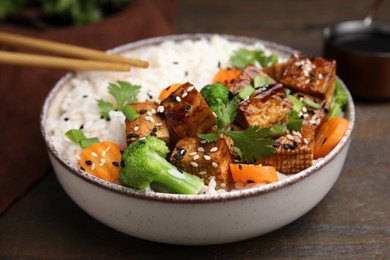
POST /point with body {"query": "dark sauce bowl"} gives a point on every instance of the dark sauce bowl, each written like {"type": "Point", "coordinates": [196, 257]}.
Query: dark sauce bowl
{"type": "Point", "coordinates": [362, 53]}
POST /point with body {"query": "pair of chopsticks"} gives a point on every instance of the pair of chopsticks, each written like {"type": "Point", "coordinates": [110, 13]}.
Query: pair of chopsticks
{"type": "Point", "coordinates": [89, 59]}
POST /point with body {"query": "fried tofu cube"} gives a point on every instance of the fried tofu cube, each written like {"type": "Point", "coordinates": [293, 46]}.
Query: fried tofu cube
{"type": "Point", "coordinates": [267, 106]}
{"type": "Point", "coordinates": [149, 122]}
{"type": "Point", "coordinates": [293, 151]}
{"type": "Point", "coordinates": [275, 71]}
{"type": "Point", "coordinates": [205, 160]}
{"type": "Point", "coordinates": [311, 75]}
{"type": "Point", "coordinates": [246, 77]}
{"type": "Point", "coordinates": [187, 113]}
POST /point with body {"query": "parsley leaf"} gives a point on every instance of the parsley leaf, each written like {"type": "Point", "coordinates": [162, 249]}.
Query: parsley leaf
{"type": "Point", "coordinates": [124, 93]}
{"type": "Point", "coordinates": [105, 108]}
{"type": "Point", "coordinates": [252, 143]}
{"type": "Point", "coordinates": [211, 137]}
{"type": "Point", "coordinates": [227, 114]}
{"type": "Point", "coordinates": [242, 57]}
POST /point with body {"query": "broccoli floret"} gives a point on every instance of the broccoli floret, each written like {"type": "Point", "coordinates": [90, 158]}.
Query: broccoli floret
{"type": "Point", "coordinates": [144, 164]}
{"type": "Point", "coordinates": [215, 95]}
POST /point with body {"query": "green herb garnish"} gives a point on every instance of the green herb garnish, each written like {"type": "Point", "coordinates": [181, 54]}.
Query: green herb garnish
{"type": "Point", "coordinates": [242, 57]}
{"type": "Point", "coordinates": [259, 81]}
{"type": "Point", "coordinates": [340, 99]}
{"type": "Point", "coordinates": [246, 92]}
{"type": "Point", "coordinates": [124, 94]}
{"type": "Point", "coordinates": [311, 103]}
{"type": "Point", "coordinates": [78, 136]}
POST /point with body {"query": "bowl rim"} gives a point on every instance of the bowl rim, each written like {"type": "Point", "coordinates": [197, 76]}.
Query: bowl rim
{"type": "Point", "coordinates": [199, 198]}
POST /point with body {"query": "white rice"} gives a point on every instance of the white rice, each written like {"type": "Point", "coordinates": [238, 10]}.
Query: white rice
{"type": "Point", "coordinates": [170, 62]}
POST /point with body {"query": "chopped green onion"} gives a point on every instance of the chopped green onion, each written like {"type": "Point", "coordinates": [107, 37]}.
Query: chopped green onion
{"type": "Point", "coordinates": [311, 103]}
{"type": "Point", "coordinates": [75, 135]}
{"type": "Point", "coordinates": [246, 92]}
{"type": "Point", "coordinates": [260, 81]}
{"type": "Point", "coordinates": [340, 99]}
{"type": "Point", "coordinates": [84, 143]}
{"type": "Point", "coordinates": [297, 104]}
{"type": "Point", "coordinates": [294, 121]}
{"type": "Point", "coordinates": [335, 110]}
{"type": "Point", "coordinates": [130, 113]}
{"type": "Point", "coordinates": [277, 130]}
{"type": "Point", "coordinates": [288, 91]}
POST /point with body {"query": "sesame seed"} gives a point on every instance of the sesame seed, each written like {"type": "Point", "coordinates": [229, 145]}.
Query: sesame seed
{"type": "Point", "coordinates": [153, 134]}
{"type": "Point", "coordinates": [214, 149]}
{"type": "Point", "coordinates": [158, 124]}
{"type": "Point", "coordinates": [143, 111]}
{"type": "Point", "coordinates": [304, 109]}
{"type": "Point", "coordinates": [178, 156]}
{"type": "Point", "coordinates": [214, 164]}
{"type": "Point", "coordinates": [196, 157]}
{"type": "Point", "coordinates": [94, 154]}
{"type": "Point", "coordinates": [290, 137]}
{"type": "Point", "coordinates": [207, 157]}
{"type": "Point", "coordinates": [170, 112]}
{"type": "Point", "coordinates": [102, 160]}
{"type": "Point", "coordinates": [142, 140]}
{"type": "Point", "coordinates": [200, 149]}
{"type": "Point", "coordinates": [186, 107]}
{"type": "Point", "coordinates": [194, 164]}
{"type": "Point", "coordinates": [240, 166]}
{"type": "Point", "coordinates": [136, 128]}
{"type": "Point", "coordinates": [203, 141]}
{"type": "Point", "coordinates": [153, 111]}
{"type": "Point", "coordinates": [149, 113]}
{"type": "Point", "coordinates": [184, 94]}
{"type": "Point", "coordinates": [132, 135]}
{"type": "Point", "coordinates": [104, 153]}
{"type": "Point", "coordinates": [202, 173]}
{"type": "Point", "coordinates": [93, 167]}
{"type": "Point", "coordinates": [190, 89]}
{"type": "Point", "coordinates": [149, 118]}
{"type": "Point", "coordinates": [160, 109]}
{"type": "Point", "coordinates": [88, 162]}
{"type": "Point", "coordinates": [178, 99]}
{"type": "Point", "coordinates": [193, 153]}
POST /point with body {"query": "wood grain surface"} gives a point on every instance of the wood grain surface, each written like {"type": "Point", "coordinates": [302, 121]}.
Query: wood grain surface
{"type": "Point", "coordinates": [351, 222]}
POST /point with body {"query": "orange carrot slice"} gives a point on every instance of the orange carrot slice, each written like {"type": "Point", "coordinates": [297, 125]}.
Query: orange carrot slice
{"type": "Point", "coordinates": [169, 90]}
{"type": "Point", "coordinates": [249, 173]}
{"type": "Point", "coordinates": [226, 76]}
{"type": "Point", "coordinates": [328, 135]}
{"type": "Point", "coordinates": [102, 160]}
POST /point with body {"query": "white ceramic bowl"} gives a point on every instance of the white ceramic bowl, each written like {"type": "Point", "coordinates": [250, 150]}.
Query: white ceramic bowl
{"type": "Point", "coordinates": [196, 219]}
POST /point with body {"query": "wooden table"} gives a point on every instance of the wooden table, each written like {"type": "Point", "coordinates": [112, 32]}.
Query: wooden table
{"type": "Point", "coordinates": [352, 221]}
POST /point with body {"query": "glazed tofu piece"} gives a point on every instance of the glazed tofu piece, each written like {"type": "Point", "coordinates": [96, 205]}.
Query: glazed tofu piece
{"type": "Point", "coordinates": [313, 116]}
{"type": "Point", "coordinates": [246, 78]}
{"type": "Point", "coordinates": [275, 71]}
{"type": "Point", "coordinates": [311, 75]}
{"type": "Point", "coordinates": [293, 151]}
{"type": "Point", "coordinates": [266, 106]}
{"type": "Point", "coordinates": [187, 113]}
{"type": "Point", "coordinates": [149, 122]}
{"type": "Point", "coordinates": [205, 160]}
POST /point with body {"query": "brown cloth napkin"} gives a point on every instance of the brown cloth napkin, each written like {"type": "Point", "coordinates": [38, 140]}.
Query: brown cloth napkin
{"type": "Point", "coordinates": [23, 89]}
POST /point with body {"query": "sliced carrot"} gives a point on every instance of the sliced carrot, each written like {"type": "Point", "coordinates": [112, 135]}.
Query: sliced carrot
{"type": "Point", "coordinates": [169, 90]}
{"type": "Point", "coordinates": [249, 173]}
{"type": "Point", "coordinates": [328, 135]}
{"type": "Point", "coordinates": [226, 76]}
{"type": "Point", "coordinates": [102, 160]}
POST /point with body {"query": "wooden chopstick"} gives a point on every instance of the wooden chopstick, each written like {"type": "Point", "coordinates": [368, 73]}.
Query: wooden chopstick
{"type": "Point", "coordinates": [69, 50]}
{"type": "Point", "coordinates": [26, 59]}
